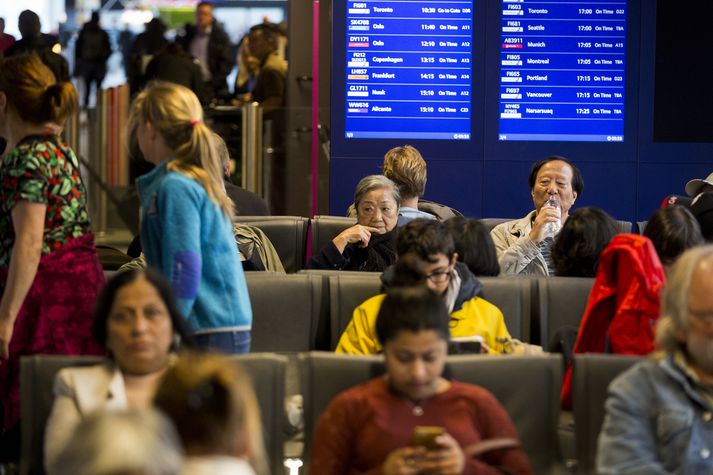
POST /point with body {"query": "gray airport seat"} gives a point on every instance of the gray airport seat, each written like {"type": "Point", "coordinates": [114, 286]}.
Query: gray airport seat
{"type": "Point", "coordinates": [528, 388]}
{"type": "Point", "coordinates": [641, 226]}
{"type": "Point", "coordinates": [490, 223]}
{"type": "Point", "coordinates": [513, 296]}
{"type": "Point", "coordinates": [325, 228]}
{"type": "Point", "coordinates": [624, 227]}
{"type": "Point", "coordinates": [346, 292]}
{"type": "Point", "coordinates": [288, 234]}
{"type": "Point", "coordinates": [287, 310]}
{"type": "Point", "coordinates": [562, 301]}
{"type": "Point", "coordinates": [591, 377]}
{"type": "Point", "coordinates": [37, 375]}
{"type": "Point", "coordinates": [267, 372]}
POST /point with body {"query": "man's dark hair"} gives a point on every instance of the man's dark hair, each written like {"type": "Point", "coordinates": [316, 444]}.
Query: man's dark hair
{"type": "Point", "coordinates": [412, 309]}
{"type": "Point", "coordinates": [408, 271]}
{"type": "Point", "coordinates": [474, 245]}
{"type": "Point", "coordinates": [29, 24]}
{"type": "Point", "coordinates": [268, 32]}
{"type": "Point", "coordinates": [585, 234]}
{"type": "Point", "coordinates": [673, 230]}
{"type": "Point", "coordinates": [106, 297]}
{"type": "Point", "coordinates": [577, 180]}
{"type": "Point", "coordinates": [425, 238]}
{"type": "Point", "coordinates": [204, 4]}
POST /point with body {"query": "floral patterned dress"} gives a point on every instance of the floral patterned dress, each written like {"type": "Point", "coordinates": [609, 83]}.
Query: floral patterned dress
{"type": "Point", "coordinates": [55, 317]}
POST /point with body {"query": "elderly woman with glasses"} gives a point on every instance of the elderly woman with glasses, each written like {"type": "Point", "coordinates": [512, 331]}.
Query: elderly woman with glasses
{"type": "Point", "coordinates": [368, 245]}
{"type": "Point", "coordinates": [427, 257]}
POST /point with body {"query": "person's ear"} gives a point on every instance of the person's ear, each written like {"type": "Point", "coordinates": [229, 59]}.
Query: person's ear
{"type": "Point", "coordinates": [454, 259]}
{"type": "Point", "coordinates": [574, 196]}
{"type": "Point", "coordinates": [150, 130]}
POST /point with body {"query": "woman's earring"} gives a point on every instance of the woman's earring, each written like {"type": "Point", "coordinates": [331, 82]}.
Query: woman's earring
{"type": "Point", "coordinates": [176, 345]}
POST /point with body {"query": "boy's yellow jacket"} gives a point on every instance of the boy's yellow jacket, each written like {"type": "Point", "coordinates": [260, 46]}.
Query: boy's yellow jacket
{"type": "Point", "coordinates": [475, 316]}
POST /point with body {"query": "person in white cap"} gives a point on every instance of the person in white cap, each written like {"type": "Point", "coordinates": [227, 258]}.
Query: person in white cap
{"type": "Point", "coordinates": [697, 186]}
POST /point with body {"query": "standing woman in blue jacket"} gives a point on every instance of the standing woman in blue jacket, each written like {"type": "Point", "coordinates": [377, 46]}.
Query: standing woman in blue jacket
{"type": "Point", "coordinates": [186, 228]}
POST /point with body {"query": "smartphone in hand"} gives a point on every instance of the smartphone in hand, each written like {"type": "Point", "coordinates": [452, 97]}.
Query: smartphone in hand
{"type": "Point", "coordinates": [425, 436]}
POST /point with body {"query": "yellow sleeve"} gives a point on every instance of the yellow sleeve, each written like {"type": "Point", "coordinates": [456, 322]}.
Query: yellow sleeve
{"type": "Point", "coordinates": [480, 317]}
{"type": "Point", "coordinates": [359, 338]}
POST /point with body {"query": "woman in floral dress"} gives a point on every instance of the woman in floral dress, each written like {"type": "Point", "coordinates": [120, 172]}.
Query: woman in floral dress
{"type": "Point", "coordinates": [49, 270]}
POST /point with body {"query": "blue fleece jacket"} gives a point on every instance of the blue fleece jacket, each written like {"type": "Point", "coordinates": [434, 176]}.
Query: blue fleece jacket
{"type": "Point", "coordinates": [188, 238]}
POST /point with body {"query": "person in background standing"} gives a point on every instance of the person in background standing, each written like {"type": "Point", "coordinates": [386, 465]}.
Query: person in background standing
{"type": "Point", "coordinates": [91, 54]}
{"type": "Point", "coordinates": [5, 40]}
{"type": "Point", "coordinates": [35, 42]}
{"type": "Point", "coordinates": [210, 45]}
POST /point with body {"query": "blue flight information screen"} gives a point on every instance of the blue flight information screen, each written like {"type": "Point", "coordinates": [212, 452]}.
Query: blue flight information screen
{"type": "Point", "coordinates": [409, 69]}
{"type": "Point", "coordinates": [562, 67]}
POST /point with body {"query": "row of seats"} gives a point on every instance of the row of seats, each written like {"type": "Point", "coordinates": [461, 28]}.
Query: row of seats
{"type": "Point", "coordinates": [310, 310]}
{"type": "Point", "coordinates": [528, 388]}
{"type": "Point", "coordinates": [289, 234]}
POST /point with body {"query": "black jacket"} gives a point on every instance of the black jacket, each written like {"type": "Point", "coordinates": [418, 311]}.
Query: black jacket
{"type": "Point", "coordinates": [246, 202]}
{"type": "Point", "coordinates": [376, 257]}
{"type": "Point", "coordinates": [178, 68]}
{"type": "Point", "coordinates": [40, 47]}
{"type": "Point", "coordinates": [220, 56]}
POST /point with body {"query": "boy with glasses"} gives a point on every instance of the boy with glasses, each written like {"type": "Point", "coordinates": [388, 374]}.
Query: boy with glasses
{"type": "Point", "coordinates": [433, 262]}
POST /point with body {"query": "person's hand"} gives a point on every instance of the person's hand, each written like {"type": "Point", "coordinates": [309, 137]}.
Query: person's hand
{"type": "Point", "coordinates": [242, 99]}
{"type": "Point", "coordinates": [357, 233]}
{"type": "Point", "coordinates": [546, 215]}
{"type": "Point", "coordinates": [7, 322]}
{"type": "Point", "coordinates": [449, 459]}
{"type": "Point", "coordinates": [404, 461]}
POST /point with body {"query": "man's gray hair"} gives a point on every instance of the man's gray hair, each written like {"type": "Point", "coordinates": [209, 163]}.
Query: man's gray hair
{"type": "Point", "coordinates": [375, 182]}
{"type": "Point", "coordinates": [109, 442]}
{"type": "Point", "coordinates": [674, 299]}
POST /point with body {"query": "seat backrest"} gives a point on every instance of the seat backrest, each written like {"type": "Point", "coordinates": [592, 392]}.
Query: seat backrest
{"type": "Point", "coordinates": [529, 388]}
{"type": "Point", "coordinates": [37, 375]}
{"type": "Point", "coordinates": [641, 226]}
{"type": "Point", "coordinates": [287, 309]}
{"type": "Point", "coordinates": [562, 301]}
{"type": "Point", "coordinates": [346, 292]}
{"type": "Point", "coordinates": [326, 228]}
{"type": "Point", "coordinates": [623, 227]}
{"type": "Point", "coordinates": [288, 234]}
{"type": "Point", "coordinates": [490, 223]}
{"type": "Point", "coordinates": [513, 296]}
{"type": "Point", "coordinates": [537, 382]}
{"type": "Point", "coordinates": [267, 372]}
{"type": "Point", "coordinates": [324, 375]}
{"type": "Point", "coordinates": [591, 377]}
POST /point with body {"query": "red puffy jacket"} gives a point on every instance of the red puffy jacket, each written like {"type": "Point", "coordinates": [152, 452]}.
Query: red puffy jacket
{"type": "Point", "coordinates": [623, 306]}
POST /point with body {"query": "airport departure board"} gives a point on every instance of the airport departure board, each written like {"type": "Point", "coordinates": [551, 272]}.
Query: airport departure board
{"type": "Point", "coordinates": [562, 67]}
{"type": "Point", "coordinates": [409, 69]}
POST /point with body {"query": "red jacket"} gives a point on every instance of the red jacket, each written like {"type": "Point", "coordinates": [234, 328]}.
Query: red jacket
{"type": "Point", "coordinates": [623, 306]}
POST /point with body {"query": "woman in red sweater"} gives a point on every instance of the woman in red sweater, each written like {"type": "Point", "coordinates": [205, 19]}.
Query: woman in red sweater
{"type": "Point", "coordinates": [368, 429]}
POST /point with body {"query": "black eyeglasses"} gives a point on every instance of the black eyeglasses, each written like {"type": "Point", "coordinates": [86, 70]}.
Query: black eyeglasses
{"type": "Point", "coordinates": [439, 277]}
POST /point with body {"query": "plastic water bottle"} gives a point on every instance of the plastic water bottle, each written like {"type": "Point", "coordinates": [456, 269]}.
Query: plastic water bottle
{"type": "Point", "coordinates": [552, 228]}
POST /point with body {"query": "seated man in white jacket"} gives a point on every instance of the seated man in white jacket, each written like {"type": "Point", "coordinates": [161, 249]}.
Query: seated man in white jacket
{"type": "Point", "coordinates": [523, 245]}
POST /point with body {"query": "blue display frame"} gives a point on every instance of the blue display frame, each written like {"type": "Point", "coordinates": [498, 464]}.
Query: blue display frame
{"type": "Point", "coordinates": [374, 148]}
